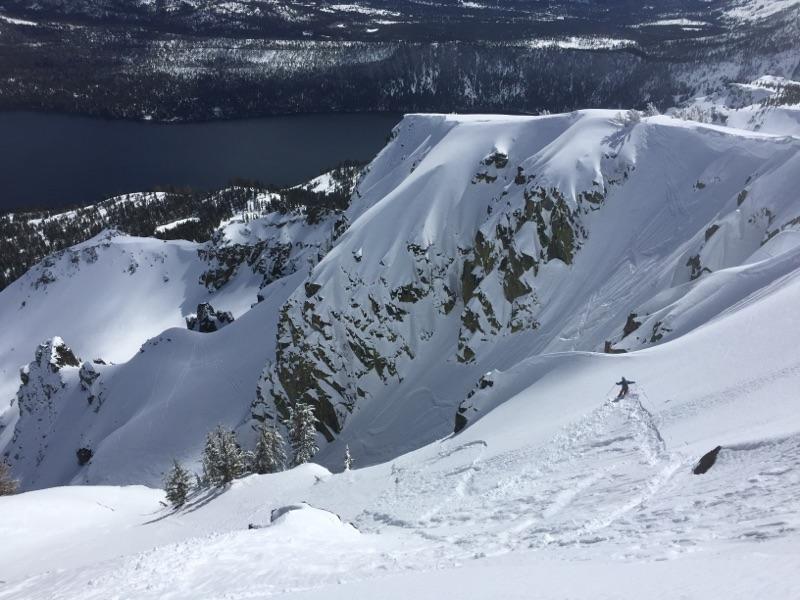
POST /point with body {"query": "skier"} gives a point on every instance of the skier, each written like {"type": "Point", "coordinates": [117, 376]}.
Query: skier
{"type": "Point", "coordinates": [624, 389]}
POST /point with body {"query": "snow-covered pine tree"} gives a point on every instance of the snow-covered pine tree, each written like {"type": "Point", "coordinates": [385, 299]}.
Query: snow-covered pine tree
{"type": "Point", "coordinates": [8, 485]}
{"type": "Point", "coordinates": [223, 458]}
{"type": "Point", "coordinates": [270, 456]}
{"type": "Point", "coordinates": [177, 484]}
{"type": "Point", "coordinates": [348, 460]}
{"type": "Point", "coordinates": [302, 432]}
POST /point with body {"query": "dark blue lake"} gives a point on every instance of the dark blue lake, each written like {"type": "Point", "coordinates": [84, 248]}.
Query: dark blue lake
{"type": "Point", "coordinates": [51, 160]}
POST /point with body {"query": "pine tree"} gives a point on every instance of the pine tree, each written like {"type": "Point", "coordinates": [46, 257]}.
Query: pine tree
{"type": "Point", "coordinates": [269, 456]}
{"type": "Point", "coordinates": [177, 484]}
{"type": "Point", "coordinates": [302, 433]}
{"type": "Point", "coordinates": [223, 459]}
{"type": "Point", "coordinates": [8, 485]}
{"type": "Point", "coordinates": [348, 460]}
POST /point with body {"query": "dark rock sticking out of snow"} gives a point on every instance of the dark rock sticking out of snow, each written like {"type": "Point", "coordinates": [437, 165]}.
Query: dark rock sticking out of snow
{"type": "Point", "coordinates": [207, 319]}
{"type": "Point", "coordinates": [706, 461]}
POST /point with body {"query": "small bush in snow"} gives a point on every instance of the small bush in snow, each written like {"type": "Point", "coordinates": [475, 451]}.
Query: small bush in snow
{"type": "Point", "coordinates": [269, 456]}
{"type": "Point", "coordinates": [223, 458]}
{"type": "Point", "coordinates": [8, 485]}
{"type": "Point", "coordinates": [651, 110]}
{"type": "Point", "coordinates": [302, 432]}
{"type": "Point", "coordinates": [177, 484]}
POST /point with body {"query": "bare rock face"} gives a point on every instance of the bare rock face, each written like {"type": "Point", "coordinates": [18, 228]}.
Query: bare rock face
{"type": "Point", "coordinates": [480, 281]}
{"type": "Point", "coordinates": [42, 382]}
{"type": "Point", "coordinates": [89, 377]}
{"type": "Point", "coordinates": [41, 379]}
{"type": "Point", "coordinates": [84, 455]}
{"type": "Point", "coordinates": [706, 461]}
{"type": "Point", "coordinates": [467, 407]}
{"type": "Point", "coordinates": [207, 320]}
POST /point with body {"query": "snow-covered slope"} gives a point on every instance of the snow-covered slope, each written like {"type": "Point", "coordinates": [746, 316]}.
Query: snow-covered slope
{"type": "Point", "coordinates": [768, 104]}
{"type": "Point", "coordinates": [108, 296]}
{"type": "Point", "coordinates": [557, 491]}
{"type": "Point", "coordinates": [474, 249]}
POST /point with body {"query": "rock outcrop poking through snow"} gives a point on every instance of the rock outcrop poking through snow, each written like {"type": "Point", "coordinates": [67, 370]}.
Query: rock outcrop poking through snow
{"type": "Point", "coordinates": [37, 398]}
{"type": "Point", "coordinates": [207, 320]}
{"type": "Point", "coordinates": [41, 379]}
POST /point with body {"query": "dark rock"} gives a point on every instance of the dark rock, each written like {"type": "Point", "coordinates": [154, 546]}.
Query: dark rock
{"type": "Point", "coordinates": [706, 461]}
{"type": "Point", "coordinates": [697, 268]}
{"type": "Point", "coordinates": [84, 455]}
{"type": "Point", "coordinates": [609, 349]}
{"type": "Point", "coordinates": [631, 325]}
{"type": "Point", "coordinates": [311, 288]}
{"type": "Point", "coordinates": [711, 231]}
{"type": "Point", "coordinates": [63, 355]}
{"type": "Point", "coordinates": [461, 421]}
{"type": "Point", "coordinates": [207, 319]}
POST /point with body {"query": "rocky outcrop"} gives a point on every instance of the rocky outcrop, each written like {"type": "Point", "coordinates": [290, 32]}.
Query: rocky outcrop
{"type": "Point", "coordinates": [41, 379]}
{"type": "Point", "coordinates": [706, 461]}
{"type": "Point", "coordinates": [207, 320]}
{"type": "Point", "coordinates": [89, 377]}
{"type": "Point", "coordinates": [353, 329]}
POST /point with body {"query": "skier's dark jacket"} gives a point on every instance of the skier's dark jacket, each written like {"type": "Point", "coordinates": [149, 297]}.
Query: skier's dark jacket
{"type": "Point", "coordinates": [624, 383]}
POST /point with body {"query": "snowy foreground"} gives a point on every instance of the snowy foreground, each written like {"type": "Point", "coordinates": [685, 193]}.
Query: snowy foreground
{"type": "Point", "coordinates": [481, 269]}
{"type": "Point", "coordinates": [557, 493]}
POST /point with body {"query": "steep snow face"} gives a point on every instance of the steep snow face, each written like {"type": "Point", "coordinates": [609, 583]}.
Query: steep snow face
{"type": "Point", "coordinates": [478, 241]}
{"type": "Point", "coordinates": [768, 104]}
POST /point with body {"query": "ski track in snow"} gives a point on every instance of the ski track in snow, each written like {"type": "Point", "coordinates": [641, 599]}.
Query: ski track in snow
{"type": "Point", "coordinates": [607, 478]}
{"type": "Point", "coordinates": [607, 484]}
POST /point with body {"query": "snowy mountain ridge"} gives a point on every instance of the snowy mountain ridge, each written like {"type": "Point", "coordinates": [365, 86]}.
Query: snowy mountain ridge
{"type": "Point", "coordinates": [471, 245]}
{"type": "Point", "coordinates": [768, 104]}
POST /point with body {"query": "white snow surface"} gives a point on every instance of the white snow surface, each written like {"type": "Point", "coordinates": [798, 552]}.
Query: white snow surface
{"type": "Point", "coordinates": [176, 223]}
{"type": "Point", "coordinates": [556, 493]}
{"type": "Point", "coordinates": [553, 490]}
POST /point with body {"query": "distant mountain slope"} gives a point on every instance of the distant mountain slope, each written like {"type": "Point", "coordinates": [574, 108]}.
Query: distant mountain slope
{"type": "Point", "coordinates": [27, 237]}
{"type": "Point", "coordinates": [768, 104]}
{"type": "Point", "coordinates": [205, 60]}
{"type": "Point", "coordinates": [471, 246]}
{"type": "Point", "coordinates": [107, 296]}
